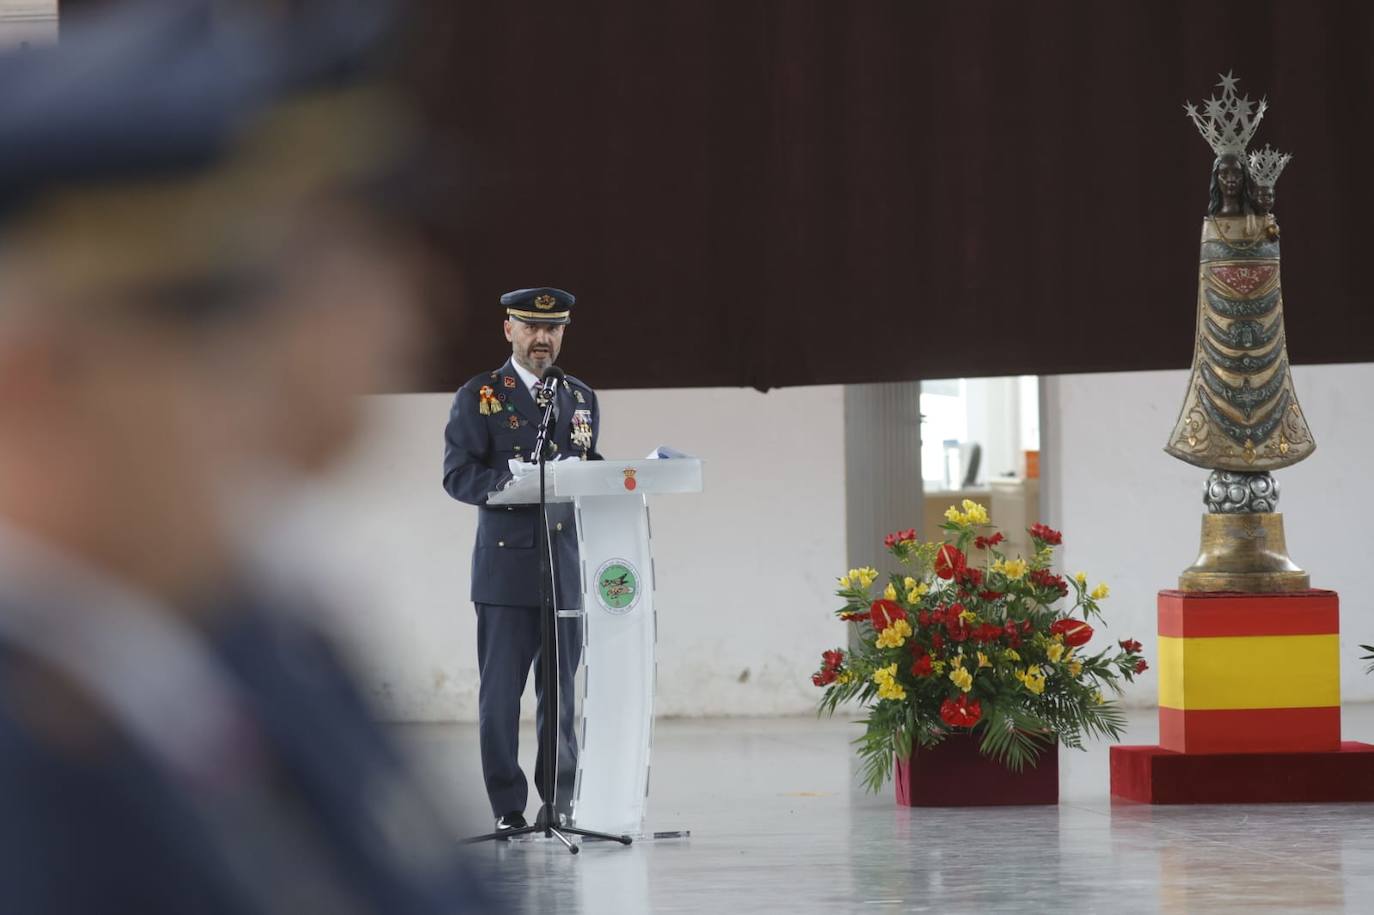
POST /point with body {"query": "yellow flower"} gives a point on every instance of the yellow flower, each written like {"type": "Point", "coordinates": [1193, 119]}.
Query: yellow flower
{"type": "Point", "coordinates": [957, 660]}
{"type": "Point", "coordinates": [1032, 678]}
{"type": "Point", "coordinates": [909, 583]}
{"type": "Point", "coordinates": [961, 678]}
{"type": "Point", "coordinates": [1012, 655]}
{"type": "Point", "coordinates": [866, 576]}
{"type": "Point", "coordinates": [953, 514]}
{"type": "Point", "coordinates": [890, 593]}
{"type": "Point", "coordinates": [913, 596]}
{"type": "Point", "coordinates": [1081, 578]}
{"type": "Point", "coordinates": [888, 687]}
{"type": "Point", "coordinates": [1055, 652]}
{"type": "Point", "coordinates": [894, 636]}
{"type": "Point", "coordinates": [1015, 569]}
{"type": "Point", "coordinates": [969, 616]}
{"type": "Point", "coordinates": [983, 660]}
{"type": "Point", "coordinates": [938, 667]}
{"type": "Point", "coordinates": [1075, 668]}
{"type": "Point", "coordinates": [1097, 697]}
{"type": "Point", "coordinates": [975, 513]}
{"type": "Point", "coordinates": [844, 583]}
{"type": "Point", "coordinates": [1100, 592]}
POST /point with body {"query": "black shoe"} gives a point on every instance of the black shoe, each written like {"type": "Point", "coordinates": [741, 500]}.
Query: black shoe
{"type": "Point", "coordinates": [510, 821]}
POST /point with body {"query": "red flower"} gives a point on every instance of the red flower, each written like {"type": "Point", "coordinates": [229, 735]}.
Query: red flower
{"type": "Point", "coordinates": [923, 618]}
{"type": "Point", "coordinates": [1141, 666]}
{"type": "Point", "coordinates": [949, 561]}
{"type": "Point", "coordinates": [1131, 646]}
{"type": "Point", "coordinates": [984, 543]}
{"type": "Point", "coordinates": [1046, 534]}
{"type": "Point", "coordinates": [961, 713]}
{"type": "Point", "coordinates": [1044, 578]}
{"type": "Point", "coordinates": [854, 617]}
{"type": "Point", "coordinates": [1075, 632]}
{"type": "Point", "coordinates": [991, 595]}
{"type": "Point", "coordinates": [922, 666]}
{"type": "Point", "coordinates": [824, 678]}
{"type": "Point", "coordinates": [971, 579]}
{"type": "Point", "coordinates": [958, 629]}
{"type": "Point", "coordinates": [832, 659]}
{"type": "Point", "coordinates": [937, 640]}
{"type": "Point", "coordinates": [900, 538]}
{"type": "Point", "coordinates": [988, 632]}
{"type": "Point", "coordinates": [884, 613]}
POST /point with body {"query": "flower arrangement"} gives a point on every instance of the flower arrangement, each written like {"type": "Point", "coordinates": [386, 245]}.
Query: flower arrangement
{"type": "Point", "coordinates": [970, 640]}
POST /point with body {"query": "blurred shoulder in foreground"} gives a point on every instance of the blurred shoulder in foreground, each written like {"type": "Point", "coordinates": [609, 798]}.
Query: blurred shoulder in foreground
{"type": "Point", "coordinates": [183, 203]}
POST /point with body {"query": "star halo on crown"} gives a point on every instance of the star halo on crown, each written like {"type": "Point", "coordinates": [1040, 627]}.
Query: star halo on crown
{"type": "Point", "coordinates": [1267, 164]}
{"type": "Point", "coordinates": [1228, 122]}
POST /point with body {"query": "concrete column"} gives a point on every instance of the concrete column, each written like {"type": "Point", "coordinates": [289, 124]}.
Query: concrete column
{"type": "Point", "coordinates": [882, 467]}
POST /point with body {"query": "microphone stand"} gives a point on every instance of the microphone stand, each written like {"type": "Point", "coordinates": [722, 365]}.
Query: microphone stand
{"type": "Point", "coordinates": [547, 821]}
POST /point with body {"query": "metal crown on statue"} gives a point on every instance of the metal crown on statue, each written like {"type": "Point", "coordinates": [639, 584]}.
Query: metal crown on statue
{"type": "Point", "coordinates": [1240, 417]}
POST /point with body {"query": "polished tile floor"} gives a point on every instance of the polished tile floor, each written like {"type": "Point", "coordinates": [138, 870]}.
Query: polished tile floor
{"type": "Point", "coordinates": [776, 827]}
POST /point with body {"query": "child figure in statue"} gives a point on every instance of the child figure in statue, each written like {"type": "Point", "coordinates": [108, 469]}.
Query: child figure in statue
{"type": "Point", "coordinates": [1240, 417]}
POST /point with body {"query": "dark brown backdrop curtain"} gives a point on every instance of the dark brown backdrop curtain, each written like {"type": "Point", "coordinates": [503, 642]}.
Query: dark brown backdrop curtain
{"type": "Point", "coordinates": [785, 192]}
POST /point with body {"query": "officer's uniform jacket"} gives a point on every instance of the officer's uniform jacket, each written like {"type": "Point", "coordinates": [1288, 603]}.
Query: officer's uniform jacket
{"type": "Point", "coordinates": [494, 418]}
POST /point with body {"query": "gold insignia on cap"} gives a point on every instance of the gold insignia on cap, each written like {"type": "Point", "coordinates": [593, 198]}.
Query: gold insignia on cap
{"type": "Point", "coordinates": [545, 302]}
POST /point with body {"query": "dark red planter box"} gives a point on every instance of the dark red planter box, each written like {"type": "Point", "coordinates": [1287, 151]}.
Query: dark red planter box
{"type": "Point", "coordinates": [955, 773]}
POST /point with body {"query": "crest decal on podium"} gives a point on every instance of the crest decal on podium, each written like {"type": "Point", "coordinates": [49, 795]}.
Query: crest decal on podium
{"type": "Point", "coordinates": [617, 586]}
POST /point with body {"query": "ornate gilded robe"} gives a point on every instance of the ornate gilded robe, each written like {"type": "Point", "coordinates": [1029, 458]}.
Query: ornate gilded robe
{"type": "Point", "coordinates": [1241, 412]}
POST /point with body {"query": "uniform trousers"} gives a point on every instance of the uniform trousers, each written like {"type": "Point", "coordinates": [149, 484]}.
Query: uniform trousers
{"type": "Point", "coordinates": [507, 649]}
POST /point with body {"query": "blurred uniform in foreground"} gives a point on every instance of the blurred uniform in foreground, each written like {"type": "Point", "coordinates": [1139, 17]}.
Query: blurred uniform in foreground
{"type": "Point", "coordinates": [171, 739]}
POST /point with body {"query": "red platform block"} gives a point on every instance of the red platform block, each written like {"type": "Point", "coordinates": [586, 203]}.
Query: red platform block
{"type": "Point", "coordinates": [954, 773]}
{"type": "Point", "coordinates": [1154, 775]}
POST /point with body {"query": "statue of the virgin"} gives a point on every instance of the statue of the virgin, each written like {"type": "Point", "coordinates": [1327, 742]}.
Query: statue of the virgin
{"type": "Point", "coordinates": [1240, 417]}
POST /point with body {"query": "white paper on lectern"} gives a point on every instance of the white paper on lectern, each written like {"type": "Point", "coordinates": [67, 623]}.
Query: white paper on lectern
{"type": "Point", "coordinates": [666, 452]}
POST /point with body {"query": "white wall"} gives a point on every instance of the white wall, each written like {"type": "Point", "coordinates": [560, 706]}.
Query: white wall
{"type": "Point", "coordinates": [1131, 514]}
{"type": "Point", "coordinates": [744, 570]}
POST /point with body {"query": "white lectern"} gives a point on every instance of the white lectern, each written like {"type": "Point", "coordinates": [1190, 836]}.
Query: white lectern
{"type": "Point", "coordinates": [613, 536]}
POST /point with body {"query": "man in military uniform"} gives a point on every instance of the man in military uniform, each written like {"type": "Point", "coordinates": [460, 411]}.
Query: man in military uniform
{"type": "Point", "coordinates": [174, 736]}
{"type": "Point", "coordinates": [495, 420]}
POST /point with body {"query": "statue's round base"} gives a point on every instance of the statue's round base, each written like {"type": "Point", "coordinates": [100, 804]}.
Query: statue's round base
{"type": "Point", "coordinates": [1243, 552]}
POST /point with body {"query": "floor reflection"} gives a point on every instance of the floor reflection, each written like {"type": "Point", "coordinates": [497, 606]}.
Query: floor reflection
{"type": "Point", "coordinates": [779, 826]}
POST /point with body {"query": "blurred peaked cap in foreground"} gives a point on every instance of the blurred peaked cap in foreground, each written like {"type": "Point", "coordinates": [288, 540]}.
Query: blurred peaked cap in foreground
{"type": "Point", "coordinates": [170, 132]}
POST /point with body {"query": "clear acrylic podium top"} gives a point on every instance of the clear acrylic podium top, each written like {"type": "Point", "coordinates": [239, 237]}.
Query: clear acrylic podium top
{"type": "Point", "coordinates": [568, 480]}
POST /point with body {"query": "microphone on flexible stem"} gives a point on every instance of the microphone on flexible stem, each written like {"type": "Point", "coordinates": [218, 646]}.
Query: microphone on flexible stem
{"type": "Point", "coordinates": [552, 375]}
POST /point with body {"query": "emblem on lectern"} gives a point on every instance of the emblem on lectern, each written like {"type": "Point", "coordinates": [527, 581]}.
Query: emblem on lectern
{"type": "Point", "coordinates": [630, 483]}
{"type": "Point", "coordinates": [617, 586]}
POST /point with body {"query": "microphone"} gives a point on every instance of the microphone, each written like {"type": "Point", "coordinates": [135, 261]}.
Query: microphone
{"type": "Point", "coordinates": [552, 375]}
